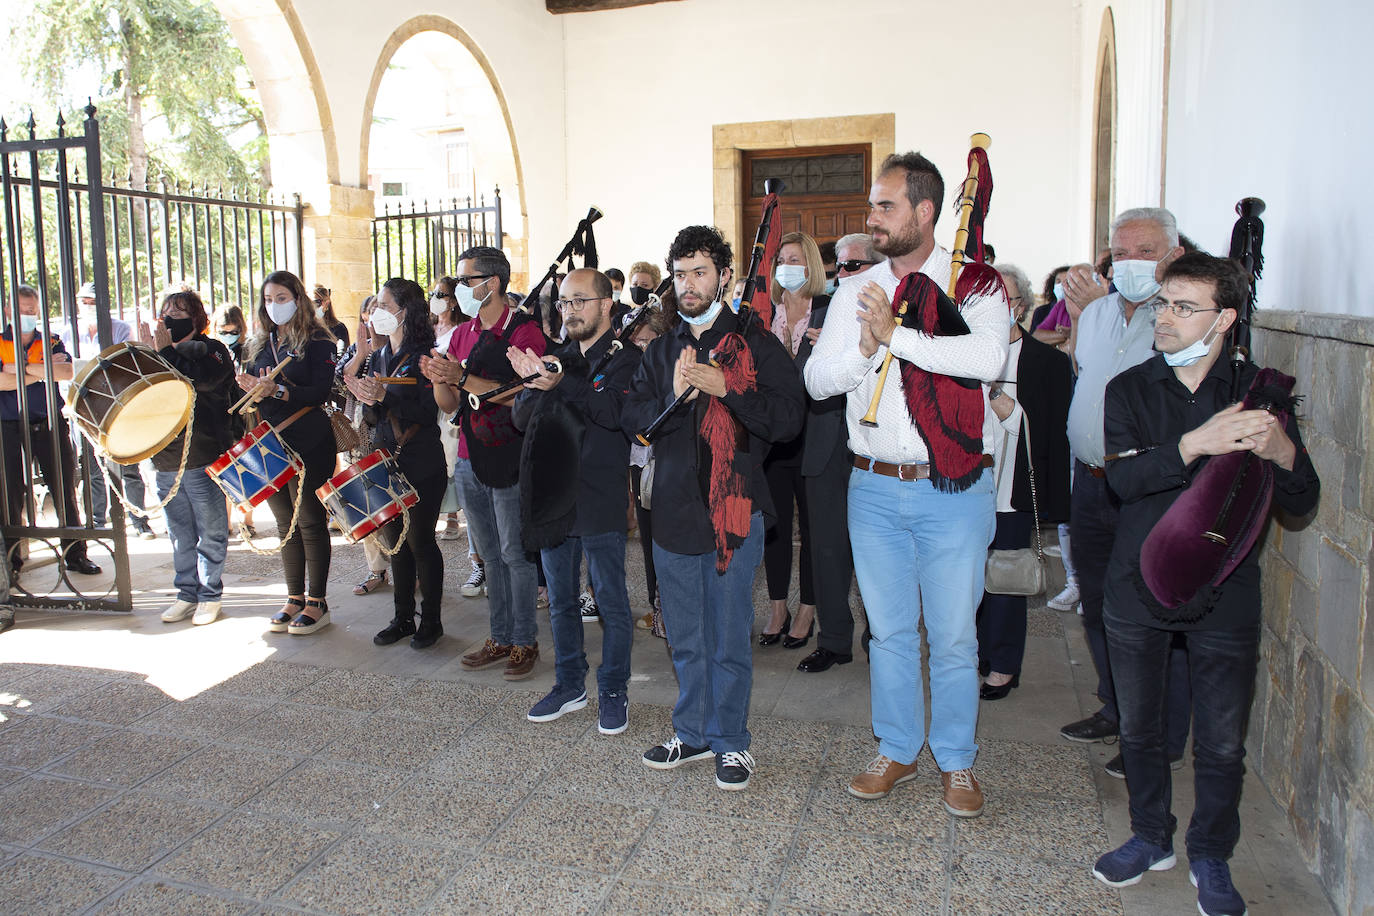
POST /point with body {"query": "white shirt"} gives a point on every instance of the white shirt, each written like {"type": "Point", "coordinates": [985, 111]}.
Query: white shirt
{"type": "Point", "coordinates": [837, 367]}
{"type": "Point", "coordinates": [1006, 434]}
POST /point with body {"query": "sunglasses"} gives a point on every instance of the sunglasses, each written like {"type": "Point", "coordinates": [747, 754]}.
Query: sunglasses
{"type": "Point", "coordinates": [854, 264]}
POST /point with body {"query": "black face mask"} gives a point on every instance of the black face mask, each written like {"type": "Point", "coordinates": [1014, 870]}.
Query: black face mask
{"type": "Point", "coordinates": [179, 328]}
{"type": "Point", "coordinates": [639, 295]}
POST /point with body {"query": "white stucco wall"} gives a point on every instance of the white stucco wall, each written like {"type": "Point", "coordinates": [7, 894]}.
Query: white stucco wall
{"type": "Point", "coordinates": [1270, 99]}
{"type": "Point", "coordinates": [645, 85]}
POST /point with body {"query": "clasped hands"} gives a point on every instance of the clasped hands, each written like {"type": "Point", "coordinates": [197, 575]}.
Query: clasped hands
{"type": "Point", "coordinates": [688, 373]}
{"type": "Point", "coordinates": [367, 389]}
{"type": "Point", "coordinates": [526, 363]}
{"type": "Point", "coordinates": [1235, 429]}
{"type": "Point", "coordinates": [876, 320]}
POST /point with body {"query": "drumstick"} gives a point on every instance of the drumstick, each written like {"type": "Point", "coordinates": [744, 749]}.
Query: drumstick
{"type": "Point", "coordinates": [397, 380]}
{"type": "Point", "coordinates": [244, 404]}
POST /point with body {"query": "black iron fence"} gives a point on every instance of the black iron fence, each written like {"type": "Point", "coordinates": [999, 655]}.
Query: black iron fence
{"type": "Point", "coordinates": [423, 243]}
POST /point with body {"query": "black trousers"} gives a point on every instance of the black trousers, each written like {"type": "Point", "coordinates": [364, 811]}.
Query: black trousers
{"type": "Point", "coordinates": [832, 562]}
{"type": "Point", "coordinates": [1002, 618]}
{"type": "Point", "coordinates": [645, 517]}
{"type": "Point", "coordinates": [63, 491]}
{"type": "Point", "coordinates": [419, 558]}
{"type": "Point", "coordinates": [785, 485]}
{"type": "Point", "coordinates": [307, 550]}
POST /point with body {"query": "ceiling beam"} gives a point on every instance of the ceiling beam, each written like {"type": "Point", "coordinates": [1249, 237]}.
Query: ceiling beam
{"type": "Point", "coordinates": [586, 6]}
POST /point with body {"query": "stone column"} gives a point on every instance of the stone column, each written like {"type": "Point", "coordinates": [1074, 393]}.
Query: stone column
{"type": "Point", "coordinates": [338, 232]}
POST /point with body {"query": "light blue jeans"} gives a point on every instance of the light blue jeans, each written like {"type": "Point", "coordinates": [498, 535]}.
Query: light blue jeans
{"type": "Point", "coordinates": [198, 525]}
{"type": "Point", "coordinates": [494, 531]}
{"type": "Point", "coordinates": [917, 549]}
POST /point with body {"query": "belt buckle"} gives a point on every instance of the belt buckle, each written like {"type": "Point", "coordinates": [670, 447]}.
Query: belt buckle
{"type": "Point", "coordinates": [901, 472]}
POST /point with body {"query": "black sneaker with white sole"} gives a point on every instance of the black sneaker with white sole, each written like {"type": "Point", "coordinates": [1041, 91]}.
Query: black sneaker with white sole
{"type": "Point", "coordinates": [733, 769]}
{"type": "Point", "coordinates": [673, 753]}
{"type": "Point", "coordinates": [1117, 767]}
{"type": "Point", "coordinates": [586, 603]}
{"type": "Point", "coordinates": [476, 584]}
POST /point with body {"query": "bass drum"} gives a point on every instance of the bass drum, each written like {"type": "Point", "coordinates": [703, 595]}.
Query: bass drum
{"type": "Point", "coordinates": [130, 402]}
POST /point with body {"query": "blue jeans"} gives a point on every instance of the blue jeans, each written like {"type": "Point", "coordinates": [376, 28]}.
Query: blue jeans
{"type": "Point", "coordinates": [1221, 664]}
{"type": "Point", "coordinates": [198, 525]}
{"type": "Point", "coordinates": [710, 618]}
{"type": "Point", "coordinates": [917, 549]}
{"type": "Point", "coordinates": [606, 569]}
{"type": "Point", "coordinates": [494, 531]}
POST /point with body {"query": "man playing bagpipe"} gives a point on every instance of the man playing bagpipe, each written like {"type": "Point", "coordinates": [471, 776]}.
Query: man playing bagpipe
{"type": "Point", "coordinates": [921, 507]}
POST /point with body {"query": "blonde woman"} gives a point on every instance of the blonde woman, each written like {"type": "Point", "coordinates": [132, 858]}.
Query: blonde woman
{"type": "Point", "coordinates": [289, 329]}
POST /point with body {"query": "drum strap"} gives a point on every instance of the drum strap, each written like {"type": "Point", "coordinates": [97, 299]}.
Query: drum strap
{"type": "Point", "coordinates": [295, 416]}
{"type": "Point", "coordinates": [403, 438]}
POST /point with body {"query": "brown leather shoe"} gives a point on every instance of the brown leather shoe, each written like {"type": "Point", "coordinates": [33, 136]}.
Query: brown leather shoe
{"type": "Point", "coordinates": [490, 654]}
{"type": "Point", "coordinates": [882, 774]}
{"type": "Point", "coordinates": [520, 665]}
{"type": "Point", "coordinates": [963, 795]}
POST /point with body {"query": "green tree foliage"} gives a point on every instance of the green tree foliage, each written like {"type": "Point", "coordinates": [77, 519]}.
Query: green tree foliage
{"type": "Point", "coordinates": [174, 97]}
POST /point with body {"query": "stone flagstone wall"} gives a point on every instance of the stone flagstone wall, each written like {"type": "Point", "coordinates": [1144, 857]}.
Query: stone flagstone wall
{"type": "Point", "coordinates": [1312, 726]}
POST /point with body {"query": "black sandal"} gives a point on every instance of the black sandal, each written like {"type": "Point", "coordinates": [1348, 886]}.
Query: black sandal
{"type": "Point", "coordinates": [282, 619]}
{"type": "Point", "coordinates": [304, 624]}
{"type": "Point", "coordinates": [374, 581]}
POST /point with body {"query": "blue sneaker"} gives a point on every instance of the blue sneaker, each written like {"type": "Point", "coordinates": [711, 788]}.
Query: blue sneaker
{"type": "Point", "coordinates": [614, 716]}
{"type": "Point", "coordinates": [560, 700]}
{"type": "Point", "coordinates": [1125, 866]}
{"type": "Point", "coordinates": [1216, 895]}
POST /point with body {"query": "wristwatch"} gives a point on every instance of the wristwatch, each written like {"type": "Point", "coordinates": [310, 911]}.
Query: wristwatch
{"type": "Point", "coordinates": [280, 393]}
{"type": "Point", "coordinates": [994, 394]}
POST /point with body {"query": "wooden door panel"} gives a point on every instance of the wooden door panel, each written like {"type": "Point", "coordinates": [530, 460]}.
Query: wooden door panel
{"type": "Point", "coordinates": [835, 180]}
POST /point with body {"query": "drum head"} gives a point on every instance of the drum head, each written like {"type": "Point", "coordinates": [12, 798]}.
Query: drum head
{"type": "Point", "coordinates": [147, 419]}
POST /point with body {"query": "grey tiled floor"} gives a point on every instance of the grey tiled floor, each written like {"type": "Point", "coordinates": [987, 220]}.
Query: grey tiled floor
{"type": "Point", "coordinates": [323, 775]}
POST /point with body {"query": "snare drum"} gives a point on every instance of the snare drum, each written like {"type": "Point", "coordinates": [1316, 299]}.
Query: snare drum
{"type": "Point", "coordinates": [130, 402]}
{"type": "Point", "coordinates": [255, 467]}
{"type": "Point", "coordinates": [365, 496]}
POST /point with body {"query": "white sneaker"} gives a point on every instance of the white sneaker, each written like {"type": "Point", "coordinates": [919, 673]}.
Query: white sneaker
{"type": "Point", "coordinates": [179, 611]}
{"type": "Point", "coordinates": [206, 612]}
{"type": "Point", "coordinates": [1065, 600]}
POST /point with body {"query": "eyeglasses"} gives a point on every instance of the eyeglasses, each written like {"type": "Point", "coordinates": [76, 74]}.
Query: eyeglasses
{"type": "Point", "coordinates": [469, 279]}
{"type": "Point", "coordinates": [1178, 308]}
{"type": "Point", "coordinates": [854, 264]}
{"type": "Point", "coordinates": [576, 304]}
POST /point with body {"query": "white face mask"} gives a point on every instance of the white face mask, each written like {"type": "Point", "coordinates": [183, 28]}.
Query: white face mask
{"type": "Point", "coordinates": [28, 324]}
{"type": "Point", "coordinates": [437, 306]}
{"type": "Point", "coordinates": [384, 322]}
{"type": "Point", "coordinates": [468, 302]}
{"type": "Point", "coordinates": [790, 277]}
{"type": "Point", "coordinates": [1195, 350]}
{"type": "Point", "coordinates": [281, 312]}
{"type": "Point", "coordinates": [1135, 280]}
{"type": "Point", "coordinates": [706, 317]}
{"type": "Point", "coordinates": [1058, 291]}
{"type": "Point", "coordinates": [615, 295]}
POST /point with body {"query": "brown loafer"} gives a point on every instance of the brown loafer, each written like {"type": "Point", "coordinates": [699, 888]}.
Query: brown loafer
{"type": "Point", "coordinates": [491, 653]}
{"type": "Point", "coordinates": [520, 665]}
{"type": "Point", "coordinates": [963, 795]}
{"type": "Point", "coordinates": [882, 774]}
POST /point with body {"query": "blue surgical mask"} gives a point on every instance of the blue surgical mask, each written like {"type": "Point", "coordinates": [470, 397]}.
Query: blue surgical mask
{"type": "Point", "coordinates": [229, 339]}
{"type": "Point", "coordinates": [28, 323]}
{"type": "Point", "coordinates": [706, 317]}
{"type": "Point", "coordinates": [831, 285]}
{"type": "Point", "coordinates": [1058, 291]}
{"type": "Point", "coordinates": [790, 277]}
{"type": "Point", "coordinates": [734, 305]}
{"type": "Point", "coordinates": [1135, 280]}
{"type": "Point", "coordinates": [468, 302]}
{"type": "Point", "coordinates": [1195, 350]}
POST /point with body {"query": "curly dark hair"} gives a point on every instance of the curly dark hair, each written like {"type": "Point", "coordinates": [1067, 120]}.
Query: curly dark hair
{"type": "Point", "coordinates": [701, 239]}
{"type": "Point", "coordinates": [415, 318]}
{"type": "Point", "coordinates": [1047, 293]}
{"type": "Point", "coordinates": [1230, 283]}
{"type": "Point", "coordinates": [923, 180]}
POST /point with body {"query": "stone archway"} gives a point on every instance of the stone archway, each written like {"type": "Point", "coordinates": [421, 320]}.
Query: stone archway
{"type": "Point", "coordinates": [516, 245]}
{"type": "Point", "coordinates": [1104, 134]}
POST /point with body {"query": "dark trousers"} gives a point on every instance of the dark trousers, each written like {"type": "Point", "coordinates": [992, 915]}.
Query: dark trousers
{"type": "Point", "coordinates": [419, 558]}
{"type": "Point", "coordinates": [646, 534]}
{"type": "Point", "coordinates": [785, 486]}
{"type": "Point", "coordinates": [1222, 666]}
{"type": "Point", "coordinates": [63, 489]}
{"type": "Point", "coordinates": [307, 550]}
{"type": "Point", "coordinates": [832, 562]}
{"type": "Point", "coordinates": [1002, 618]}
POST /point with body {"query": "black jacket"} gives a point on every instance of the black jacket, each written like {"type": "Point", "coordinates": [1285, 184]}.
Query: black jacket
{"type": "Point", "coordinates": [1148, 406]}
{"type": "Point", "coordinates": [1044, 387]}
{"type": "Point", "coordinates": [406, 407]}
{"type": "Point", "coordinates": [310, 380]}
{"type": "Point", "coordinates": [210, 367]}
{"type": "Point", "coordinates": [826, 430]}
{"type": "Point", "coordinates": [772, 412]}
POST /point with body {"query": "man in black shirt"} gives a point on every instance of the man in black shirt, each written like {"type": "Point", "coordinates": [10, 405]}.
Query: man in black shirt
{"type": "Point", "coordinates": [1174, 408]}
{"type": "Point", "coordinates": [602, 505]}
{"type": "Point", "coordinates": [710, 497]}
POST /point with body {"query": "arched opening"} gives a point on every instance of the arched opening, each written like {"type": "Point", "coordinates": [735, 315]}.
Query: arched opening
{"type": "Point", "coordinates": [1104, 134]}
{"type": "Point", "coordinates": [436, 127]}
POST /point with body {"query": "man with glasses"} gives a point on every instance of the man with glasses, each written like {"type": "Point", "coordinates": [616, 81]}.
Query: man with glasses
{"type": "Point", "coordinates": [1112, 331]}
{"type": "Point", "coordinates": [599, 516]}
{"type": "Point", "coordinates": [1176, 409]}
{"type": "Point", "coordinates": [488, 468]}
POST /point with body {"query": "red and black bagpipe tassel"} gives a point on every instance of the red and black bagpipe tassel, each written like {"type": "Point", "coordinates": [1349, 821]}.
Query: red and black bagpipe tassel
{"type": "Point", "coordinates": [756, 298]}
{"type": "Point", "coordinates": [727, 492]}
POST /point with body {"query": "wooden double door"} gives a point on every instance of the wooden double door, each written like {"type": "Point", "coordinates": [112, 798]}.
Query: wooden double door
{"type": "Point", "coordinates": [826, 193]}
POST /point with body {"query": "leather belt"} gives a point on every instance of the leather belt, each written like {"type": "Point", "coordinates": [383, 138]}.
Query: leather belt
{"type": "Point", "coordinates": [904, 471]}
{"type": "Point", "coordinates": [1094, 470]}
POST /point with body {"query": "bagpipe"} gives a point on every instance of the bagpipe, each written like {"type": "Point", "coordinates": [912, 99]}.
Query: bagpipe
{"type": "Point", "coordinates": [755, 299]}
{"type": "Point", "coordinates": [628, 326]}
{"type": "Point", "coordinates": [1215, 522]}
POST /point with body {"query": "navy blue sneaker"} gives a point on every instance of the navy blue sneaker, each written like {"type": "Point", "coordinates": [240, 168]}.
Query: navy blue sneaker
{"type": "Point", "coordinates": [1216, 895]}
{"type": "Point", "coordinates": [673, 753]}
{"type": "Point", "coordinates": [614, 712]}
{"type": "Point", "coordinates": [1125, 866]}
{"type": "Point", "coordinates": [560, 700]}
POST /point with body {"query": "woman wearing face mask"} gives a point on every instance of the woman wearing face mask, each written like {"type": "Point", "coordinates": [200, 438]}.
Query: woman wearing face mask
{"type": "Point", "coordinates": [231, 330]}
{"type": "Point", "coordinates": [197, 516]}
{"type": "Point", "coordinates": [404, 421]}
{"type": "Point", "coordinates": [447, 316]}
{"type": "Point", "coordinates": [288, 326]}
{"type": "Point", "coordinates": [325, 305]}
{"type": "Point", "coordinates": [798, 290]}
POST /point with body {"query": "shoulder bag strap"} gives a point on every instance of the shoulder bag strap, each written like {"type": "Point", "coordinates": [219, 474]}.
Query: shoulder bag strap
{"type": "Point", "coordinates": [1035, 500]}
